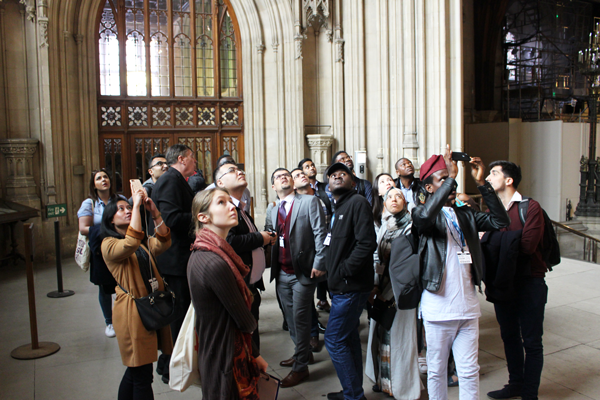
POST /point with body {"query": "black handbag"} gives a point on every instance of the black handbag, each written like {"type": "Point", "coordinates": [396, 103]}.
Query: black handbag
{"type": "Point", "coordinates": [158, 309]}
{"type": "Point", "coordinates": [383, 312]}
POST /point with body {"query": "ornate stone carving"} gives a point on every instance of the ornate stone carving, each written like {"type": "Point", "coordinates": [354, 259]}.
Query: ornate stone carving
{"type": "Point", "coordinates": [339, 43]}
{"type": "Point", "coordinates": [20, 185]}
{"type": "Point", "coordinates": [43, 29]}
{"type": "Point", "coordinates": [329, 33]}
{"type": "Point", "coordinates": [260, 48]}
{"type": "Point", "coordinates": [316, 12]}
{"type": "Point", "coordinates": [320, 147]}
{"type": "Point", "coordinates": [298, 39]}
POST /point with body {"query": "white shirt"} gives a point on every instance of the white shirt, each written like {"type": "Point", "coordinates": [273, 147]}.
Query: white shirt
{"type": "Point", "coordinates": [457, 297]}
{"type": "Point", "coordinates": [515, 198]}
{"type": "Point", "coordinates": [289, 200]}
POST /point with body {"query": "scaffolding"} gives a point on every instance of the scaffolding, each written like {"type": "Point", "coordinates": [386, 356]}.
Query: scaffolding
{"type": "Point", "coordinates": [541, 41]}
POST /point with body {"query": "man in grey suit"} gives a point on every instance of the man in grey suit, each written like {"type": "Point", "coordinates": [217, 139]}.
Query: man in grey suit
{"type": "Point", "coordinates": [297, 263]}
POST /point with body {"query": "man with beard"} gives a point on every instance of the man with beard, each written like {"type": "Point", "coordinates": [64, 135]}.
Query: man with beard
{"type": "Point", "coordinates": [362, 186]}
{"type": "Point", "coordinates": [297, 263]}
{"type": "Point", "coordinates": [451, 270]}
{"type": "Point", "coordinates": [406, 181]}
{"type": "Point", "coordinates": [349, 261]}
{"type": "Point", "coordinates": [321, 188]}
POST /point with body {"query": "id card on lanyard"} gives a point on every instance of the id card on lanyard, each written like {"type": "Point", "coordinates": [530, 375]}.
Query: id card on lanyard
{"type": "Point", "coordinates": [327, 240]}
{"type": "Point", "coordinates": [464, 256]}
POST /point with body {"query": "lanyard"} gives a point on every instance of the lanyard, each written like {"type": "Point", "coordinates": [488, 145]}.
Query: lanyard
{"type": "Point", "coordinates": [332, 221]}
{"type": "Point", "coordinates": [457, 228]}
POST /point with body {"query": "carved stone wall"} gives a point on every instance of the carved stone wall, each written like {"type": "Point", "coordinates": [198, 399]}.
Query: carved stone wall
{"type": "Point", "coordinates": [382, 76]}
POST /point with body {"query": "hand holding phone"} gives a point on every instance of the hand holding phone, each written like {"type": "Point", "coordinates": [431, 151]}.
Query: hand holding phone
{"type": "Point", "coordinates": [458, 156]}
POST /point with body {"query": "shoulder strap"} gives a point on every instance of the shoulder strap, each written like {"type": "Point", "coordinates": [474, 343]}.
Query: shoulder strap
{"type": "Point", "coordinates": [523, 206]}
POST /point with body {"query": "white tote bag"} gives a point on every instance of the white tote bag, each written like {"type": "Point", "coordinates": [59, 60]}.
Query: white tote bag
{"type": "Point", "coordinates": [82, 252]}
{"type": "Point", "coordinates": [183, 368]}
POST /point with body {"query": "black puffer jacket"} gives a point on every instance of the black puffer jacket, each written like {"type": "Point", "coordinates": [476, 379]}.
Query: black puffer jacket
{"type": "Point", "coordinates": [430, 223]}
{"type": "Point", "coordinates": [349, 257]}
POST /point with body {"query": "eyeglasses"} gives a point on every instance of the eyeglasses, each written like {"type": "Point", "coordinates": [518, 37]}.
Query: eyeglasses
{"type": "Point", "coordinates": [296, 176]}
{"type": "Point", "coordinates": [278, 177]}
{"type": "Point", "coordinates": [159, 164]}
{"type": "Point", "coordinates": [232, 169]}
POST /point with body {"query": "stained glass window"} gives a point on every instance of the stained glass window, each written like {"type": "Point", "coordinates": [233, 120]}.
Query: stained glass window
{"type": "Point", "coordinates": [169, 48]}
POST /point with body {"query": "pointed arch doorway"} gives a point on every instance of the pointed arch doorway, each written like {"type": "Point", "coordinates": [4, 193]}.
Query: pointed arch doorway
{"type": "Point", "coordinates": [169, 71]}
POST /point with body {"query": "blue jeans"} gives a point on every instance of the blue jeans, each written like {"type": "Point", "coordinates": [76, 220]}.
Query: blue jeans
{"type": "Point", "coordinates": [521, 327]}
{"type": "Point", "coordinates": [343, 342]}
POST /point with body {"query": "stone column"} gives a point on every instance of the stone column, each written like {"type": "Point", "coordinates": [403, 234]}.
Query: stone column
{"type": "Point", "coordinates": [320, 150]}
{"type": "Point", "coordinates": [20, 185]}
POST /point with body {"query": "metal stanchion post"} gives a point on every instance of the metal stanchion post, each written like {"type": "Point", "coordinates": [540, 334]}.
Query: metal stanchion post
{"type": "Point", "coordinates": [60, 292]}
{"type": "Point", "coordinates": [35, 349]}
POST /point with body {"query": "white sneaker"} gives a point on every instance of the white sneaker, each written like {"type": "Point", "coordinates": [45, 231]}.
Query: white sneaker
{"type": "Point", "coordinates": [110, 331]}
{"type": "Point", "coordinates": [422, 365]}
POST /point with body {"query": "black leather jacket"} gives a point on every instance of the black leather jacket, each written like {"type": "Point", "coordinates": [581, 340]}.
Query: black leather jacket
{"type": "Point", "coordinates": [430, 223]}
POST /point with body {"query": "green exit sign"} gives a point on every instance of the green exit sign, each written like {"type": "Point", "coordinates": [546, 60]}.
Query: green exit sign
{"type": "Point", "coordinates": [56, 210]}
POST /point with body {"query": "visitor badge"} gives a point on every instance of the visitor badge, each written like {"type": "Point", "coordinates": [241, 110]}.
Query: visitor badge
{"type": "Point", "coordinates": [154, 284]}
{"type": "Point", "coordinates": [281, 242]}
{"type": "Point", "coordinates": [464, 257]}
{"type": "Point", "coordinates": [327, 239]}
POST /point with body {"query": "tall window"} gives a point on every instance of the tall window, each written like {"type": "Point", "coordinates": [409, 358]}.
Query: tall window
{"type": "Point", "coordinates": [168, 73]}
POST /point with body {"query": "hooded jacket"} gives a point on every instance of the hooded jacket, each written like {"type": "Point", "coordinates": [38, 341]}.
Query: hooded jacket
{"type": "Point", "coordinates": [350, 254]}
{"type": "Point", "coordinates": [430, 223]}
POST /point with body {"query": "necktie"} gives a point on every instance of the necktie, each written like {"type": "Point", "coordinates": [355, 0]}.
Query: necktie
{"type": "Point", "coordinates": [282, 212]}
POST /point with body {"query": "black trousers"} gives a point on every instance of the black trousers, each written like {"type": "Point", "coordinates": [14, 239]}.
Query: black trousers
{"type": "Point", "coordinates": [137, 383]}
{"type": "Point", "coordinates": [521, 327]}
{"type": "Point", "coordinates": [179, 285]}
{"type": "Point", "coordinates": [254, 310]}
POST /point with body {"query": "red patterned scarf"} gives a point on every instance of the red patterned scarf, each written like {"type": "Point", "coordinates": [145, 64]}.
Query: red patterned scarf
{"type": "Point", "coordinates": [245, 368]}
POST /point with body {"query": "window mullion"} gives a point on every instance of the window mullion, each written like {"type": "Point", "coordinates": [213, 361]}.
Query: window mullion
{"type": "Point", "coordinates": [147, 48]}
{"type": "Point", "coordinates": [122, 35]}
{"type": "Point", "coordinates": [171, 41]}
{"type": "Point", "coordinates": [193, 48]}
{"type": "Point", "coordinates": [217, 49]}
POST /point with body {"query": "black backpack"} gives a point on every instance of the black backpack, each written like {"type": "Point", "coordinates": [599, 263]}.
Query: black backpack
{"type": "Point", "coordinates": [550, 246]}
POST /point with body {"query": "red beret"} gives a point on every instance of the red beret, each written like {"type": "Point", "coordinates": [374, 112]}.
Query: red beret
{"type": "Point", "coordinates": [433, 164]}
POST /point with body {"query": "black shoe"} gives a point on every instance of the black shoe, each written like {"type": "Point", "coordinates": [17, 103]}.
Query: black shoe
{"type": "Point", "coordinates": [507, 392]}
{"type": "Point", "coordinates": [321, 327]}
{"type": "Point", "coordinates": [376, 389]}
{"type": "Point", "coordinates": [165, 378]}
{"type": "Point", "coordinates": [162, 363]}
{"type": "Point", "coordinates": [336, 395]}
{"type": "Point", "coordinates": [285, 326]}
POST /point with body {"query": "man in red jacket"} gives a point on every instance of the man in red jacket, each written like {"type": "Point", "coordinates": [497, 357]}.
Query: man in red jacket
{"type": "Point", "coordinates": [522, 319]}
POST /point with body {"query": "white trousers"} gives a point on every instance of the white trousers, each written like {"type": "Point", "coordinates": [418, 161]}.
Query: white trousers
{"type": "Point", "coordinates": [462, 336]}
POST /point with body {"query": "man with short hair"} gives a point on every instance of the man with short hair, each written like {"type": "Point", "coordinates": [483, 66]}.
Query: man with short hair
{"type": "Point", "coordinates": [451, 270]}
{"type": "Point", "coordinates": [246, 196]}
{"type": "Point", "coordinates": [158, 166]}
{"type": "Point", "coordinates": [310, 170]}
{"type": "Point", "coordinates": [406, 180]}
{"type": "Point", "coordinates": [362, 186]}
{"type": "Point", "coordinates": [521, 319]}
{"type": "Point", "coordinates": [297, 263]}
{"type": "Point", "coordinates": [245, 239]}
{"type": "Point", "coordinates": [173, 198]}
{"type": "Point", "coordinates": [351, 243]}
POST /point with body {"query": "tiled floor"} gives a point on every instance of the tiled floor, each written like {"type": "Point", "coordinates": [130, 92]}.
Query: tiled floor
{"type": "Point", "coordinates": [88, 366]}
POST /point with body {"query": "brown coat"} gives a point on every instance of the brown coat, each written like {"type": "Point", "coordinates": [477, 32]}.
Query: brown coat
{"type": "Point", "coordinates": [137, 345]}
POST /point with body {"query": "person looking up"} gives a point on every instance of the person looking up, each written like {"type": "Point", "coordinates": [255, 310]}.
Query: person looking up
{"type": "Point", "coordinates": [228, 360]}
{"type": "Point", "coordinates": [451, 270]}
{"type": "Point", "coordinates": [245, 238]}
{"type": "Point", "coordinates": [349, 262]}
{"type": "Point", "coordinates": [362, 186]}
{"type": "Point", "coordinates": [406, 180]}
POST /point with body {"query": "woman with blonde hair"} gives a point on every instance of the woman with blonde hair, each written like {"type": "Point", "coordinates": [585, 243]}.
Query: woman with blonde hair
{"type": "Point", "coordinates": [228, 361]}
